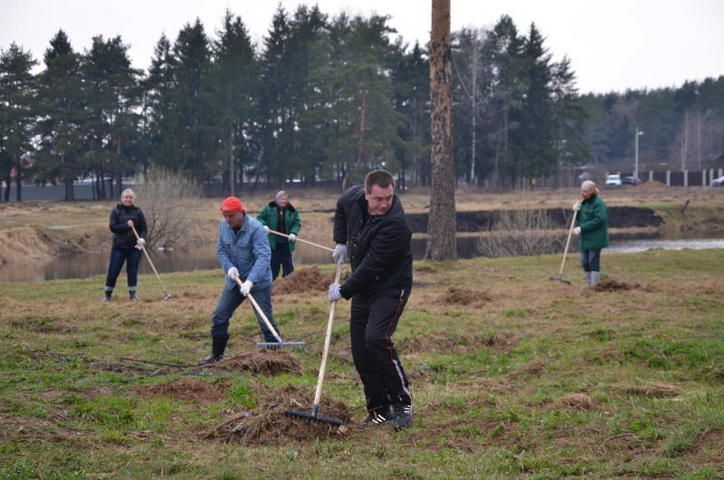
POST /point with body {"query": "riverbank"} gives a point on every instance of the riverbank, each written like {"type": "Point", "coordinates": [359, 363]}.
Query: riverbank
{"type": "Point", "coordinates": [44, 231]}
{"type": "Point", "coordinates": [513, 376]}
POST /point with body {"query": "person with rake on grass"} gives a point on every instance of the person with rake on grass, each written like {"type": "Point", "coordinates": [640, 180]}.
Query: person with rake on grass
{"type": "Point", "coordinates": [280, 216]}
{"type": "Point", "coordinates": [593, 229]}
{"type": "Point", "coordinates": [126, 247]}
{"type": "Point", "coordinates": [370, 229]}
{"type": "Point", "coordinates": [244, 253]}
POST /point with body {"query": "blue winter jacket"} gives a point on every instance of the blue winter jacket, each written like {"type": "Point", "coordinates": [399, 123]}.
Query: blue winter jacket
{"type": "Point", "coordinates": [247, 250]}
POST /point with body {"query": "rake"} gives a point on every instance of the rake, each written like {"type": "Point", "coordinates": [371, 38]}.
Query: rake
{"type": "Point", "coordinates": [166, 294]}
{"type": "Point", "coordinates": [270, 345]}
{"type": "Point", "coordinates": [297, 239]}
{"type": "Point", "coordinates": [314, 413]}
{"type": "Point", "coordinates": [559, 277]}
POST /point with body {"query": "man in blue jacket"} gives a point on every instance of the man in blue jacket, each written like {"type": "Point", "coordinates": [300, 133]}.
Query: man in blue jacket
{"type": "Point", "coordinates": [370, 229]}
{"type": "Point", "coordinates": [243, 251]}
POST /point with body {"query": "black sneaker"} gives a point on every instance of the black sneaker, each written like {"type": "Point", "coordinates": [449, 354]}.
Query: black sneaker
{"type": "Point", "coordinates": [132, 296]}
{"type": "Point", "coordinates": [402, 416]}
{"type": "Point", "coordinates": [377, 418]}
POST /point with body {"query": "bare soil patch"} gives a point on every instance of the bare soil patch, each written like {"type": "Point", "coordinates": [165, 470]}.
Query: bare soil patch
{"type": "Point", "coordinates": [185, 389]}
{"type": "Point", "coordinates": [302, 281]}
{"type": "Point", "coordinates": [462, 296]}
{"type": "Point", "coordinates": [269, 425]}
{"type": "Point", "coordinates": [265, 362]}
{"type": "Point", "coordinates": [611, 285]}
{"type": "Point", "coordinates": [579, 401]}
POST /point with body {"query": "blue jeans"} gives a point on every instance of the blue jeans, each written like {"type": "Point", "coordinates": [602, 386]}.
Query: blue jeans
{"type": "Point", "coordinates": [132, 257]}
{"type": "Point", "coordinates": [591, 260]}
{"type": "Point", "coordinates": [281, 257]}
{"type": "Point", "coordinates": [230, 299]}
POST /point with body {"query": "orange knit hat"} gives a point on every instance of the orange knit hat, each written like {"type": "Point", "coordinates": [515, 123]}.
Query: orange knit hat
{"type": "Point", "coordinates": [232, 205]}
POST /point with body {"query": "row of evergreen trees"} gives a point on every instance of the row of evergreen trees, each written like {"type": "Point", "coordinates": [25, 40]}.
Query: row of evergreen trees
{"type": "Point", "coordinates": [322, 98]}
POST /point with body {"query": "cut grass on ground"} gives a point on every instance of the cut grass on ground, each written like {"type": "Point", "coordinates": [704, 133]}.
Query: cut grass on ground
{"type": "Point", "coordinates": [514, 376]}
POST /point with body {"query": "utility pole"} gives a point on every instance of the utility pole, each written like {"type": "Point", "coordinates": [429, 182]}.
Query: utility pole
{"type": "Point", "coordinates": [636, 154]}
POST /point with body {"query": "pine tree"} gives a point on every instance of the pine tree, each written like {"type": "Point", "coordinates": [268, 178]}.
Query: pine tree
{"type": "Point", "coordinates": [112, 96]}
{"type": "Point", "coordinates": [235, 76]}
{"type": "Point", "coordinates": [63, 115]}
{"type": "Point", "coordinates": [17, 107]}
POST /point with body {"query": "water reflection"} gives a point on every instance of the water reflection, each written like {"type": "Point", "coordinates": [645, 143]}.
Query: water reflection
{"type": "Point", "coordinates": [205, 258]}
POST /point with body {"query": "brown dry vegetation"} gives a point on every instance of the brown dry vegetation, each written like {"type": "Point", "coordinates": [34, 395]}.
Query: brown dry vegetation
{"type": "Point", "coordinates": [43, 230]}
{"type": "Point", "coordinates": [539, 380]}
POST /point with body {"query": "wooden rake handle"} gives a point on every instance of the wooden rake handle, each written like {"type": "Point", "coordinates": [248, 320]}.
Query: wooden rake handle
{"type": "Point", "coordinates": [568, 242]}
{"type": "Point", "coordinates": [297, 239]}
{"type": "Point", "coordinates": [327, 341]}
{"type": "Point", "coordinates": [260, 312]}
{"type": "Point", "coordinates": [148, 257]}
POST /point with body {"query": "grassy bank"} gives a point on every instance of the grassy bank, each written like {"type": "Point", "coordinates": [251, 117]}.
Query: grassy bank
{"type": "Point", "coordinates": [42, 231]}
{"type": "Point", "coordinates": [514, 376]}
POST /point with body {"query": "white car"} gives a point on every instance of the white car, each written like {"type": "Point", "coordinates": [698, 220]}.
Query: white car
{"type": "Point", "coordinates": [718, 182]}
{"type": "Point", "coordinates": [613, 180]}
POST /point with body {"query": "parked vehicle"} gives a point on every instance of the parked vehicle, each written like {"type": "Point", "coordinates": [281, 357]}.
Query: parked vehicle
{"type": "Point", "coordinates": [718, 182]}
{"type": "Point", "coordinates": [631, 180]}
{"type": "Point", "coordinates": [613, 180]}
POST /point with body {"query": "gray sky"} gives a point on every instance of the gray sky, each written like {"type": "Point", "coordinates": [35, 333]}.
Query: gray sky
{"type": "Point", "coordinates": [612, 44]}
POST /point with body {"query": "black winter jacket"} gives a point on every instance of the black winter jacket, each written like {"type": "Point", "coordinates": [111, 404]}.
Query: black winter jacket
{"type": "Point", "coordinates": [378, 246]}
{"type": "Point", "coordinates": [122, 234]}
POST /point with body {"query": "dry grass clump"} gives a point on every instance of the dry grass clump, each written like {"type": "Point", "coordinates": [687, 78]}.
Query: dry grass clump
{"type": "Point", "coordinates": [266, 363]}
{"type": "Point", "coordinates": [268, 424]}
{"type": "Point", "coordinates": [576, 401]}
{"type": "Point", "coordinates": [185, 389]}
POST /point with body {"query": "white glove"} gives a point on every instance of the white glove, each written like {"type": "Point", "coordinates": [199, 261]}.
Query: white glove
{"type": "Point", "coordinates": [292, 237]}
{"type": "Point", "coordinates": [340, 253]}
{"type": "Point", "coordinates": [138, 246]}
{"type": "Point", "coordinates": [576, 206]}
{"type": "Point", "coordinates": [577, 230]}
{"type": "Point", "coordinates": [232, 273]}
{"type": "Point", "coordinates": [245, 287]}
{"type": "Point", "coordinates": [334, 293]}
{"type": "Point", "coordinates": [266, 229]}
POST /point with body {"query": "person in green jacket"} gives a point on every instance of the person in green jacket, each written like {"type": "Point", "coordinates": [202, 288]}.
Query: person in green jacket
{"type": "Point", "coordinates": [281, 216]}
{"type": "Point", "coordinates": [593, 229]}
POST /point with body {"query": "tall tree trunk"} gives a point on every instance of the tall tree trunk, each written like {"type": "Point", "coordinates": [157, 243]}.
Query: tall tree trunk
{"type": "Point", "coordinates": [441, 221]}
{"type": "Point", "coordinates": [18, 183]}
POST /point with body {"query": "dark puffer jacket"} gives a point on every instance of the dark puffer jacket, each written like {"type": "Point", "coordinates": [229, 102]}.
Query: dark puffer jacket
{"type": "Point", "coordinates": [122, 234]}
{"type": "Point", "coordinates": [378, 246]}
{"type": "Point", "coordinates": [593, 220]}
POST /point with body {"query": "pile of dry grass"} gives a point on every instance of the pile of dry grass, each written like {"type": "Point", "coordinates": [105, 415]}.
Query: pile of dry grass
{"type": "Point", "coordinates": [576, 401]}
{"type": "Point", "coordinates": [269, 425]}
{"type": "Point", "coordinates": [302, 281]}
{"type": "Point", "coordinates": [267, 363]}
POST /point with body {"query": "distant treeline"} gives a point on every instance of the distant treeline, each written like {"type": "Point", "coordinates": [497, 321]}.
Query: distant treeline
{"type": "Point", "coordinates": [327, 98]}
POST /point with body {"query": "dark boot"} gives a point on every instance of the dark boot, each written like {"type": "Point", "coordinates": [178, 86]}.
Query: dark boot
{"type": "Point", "coordinates": [218, 345]}
{"type": "Point", "coordinates": [132, 295]}
{"type": "Point", "coordinates": [377, 416]}
{"type": "Point", "coordinates": [107, 294]}
{"type": "Point", "coordinates": [402, 415]}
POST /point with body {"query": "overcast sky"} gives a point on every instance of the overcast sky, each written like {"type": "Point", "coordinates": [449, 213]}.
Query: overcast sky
{"type": "Point", "coordinates": [612, 44]}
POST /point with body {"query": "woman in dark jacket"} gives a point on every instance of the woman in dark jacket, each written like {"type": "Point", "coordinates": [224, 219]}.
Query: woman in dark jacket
{"type": "Point", "coordinates": [593, 229]}
{"type": "Point", "coordinates": [126, 248]}
{"type": "Point", "coordinates": [282, 217]}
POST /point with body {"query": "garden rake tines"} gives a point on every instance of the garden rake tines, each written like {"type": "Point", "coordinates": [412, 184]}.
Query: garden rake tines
{"type": "Point", "coordinates": [270, 345]}
{"type": "Point", "coordinates": [314, 413]}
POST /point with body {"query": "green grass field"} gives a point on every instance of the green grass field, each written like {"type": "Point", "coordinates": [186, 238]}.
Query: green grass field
{"type": "Point", "coordinates": [514, 376]}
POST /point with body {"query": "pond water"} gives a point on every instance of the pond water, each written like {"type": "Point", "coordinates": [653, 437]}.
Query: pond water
{"type": "Point", "coordinates": [89, 265]}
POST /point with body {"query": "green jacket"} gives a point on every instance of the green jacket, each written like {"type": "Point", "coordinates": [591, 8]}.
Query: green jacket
{"type": "Point", "coordinates": [269, 216]}
{"type": "Point", "coordinates": [593, 220]}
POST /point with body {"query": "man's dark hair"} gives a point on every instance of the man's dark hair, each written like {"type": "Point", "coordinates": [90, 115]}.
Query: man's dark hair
{"type": "Point", "coordinates": [381, 178]}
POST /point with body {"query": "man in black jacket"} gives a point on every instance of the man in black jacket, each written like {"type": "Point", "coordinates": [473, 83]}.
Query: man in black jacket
{"type": "Point", "coordinates": [370, 228]}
